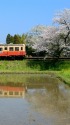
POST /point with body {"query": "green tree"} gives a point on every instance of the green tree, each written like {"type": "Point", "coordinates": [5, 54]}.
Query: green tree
{"type": "Point", "coordinates": [23, 38]}
{"type": "Point", "coordinates": [9, 39]}
{"type": "Point", "coordinates": [16, 39]}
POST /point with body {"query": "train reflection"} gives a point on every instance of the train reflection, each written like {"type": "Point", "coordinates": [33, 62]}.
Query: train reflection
{"type": "Point", "coordinates": [7, 91]}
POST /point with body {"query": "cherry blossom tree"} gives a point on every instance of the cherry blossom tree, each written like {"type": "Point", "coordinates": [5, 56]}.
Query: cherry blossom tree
{"type": "Point", "coordinates": [55, 40]}
{"type": "Point", "coordinates": [63, 20]}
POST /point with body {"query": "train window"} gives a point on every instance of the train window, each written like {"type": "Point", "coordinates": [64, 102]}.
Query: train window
{"type": "Point", "coordinates": [16, 48]}
{"type": "Point", "coordinates": [21, 48]}
{"type": "Point", "coordinates": [5, 48]}
{"type": "Point", "coordinates": [5, 93]}
{"type": "Point", "coordinates": [1, 49]}
{"type": "Point", "coordinates": [10, 93]}
{"type": "Point", "coordinates": [16, 93]}
{"type": "Point", "coordinates": [11, 48]}
{"type": "Point", "coordinates": [0, 92]}
{"type": "Point", "coordinates": [20, 93]}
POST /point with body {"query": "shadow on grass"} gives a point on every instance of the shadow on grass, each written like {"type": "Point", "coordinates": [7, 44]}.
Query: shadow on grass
{"type": "Point", "coordinates": [45, 64]}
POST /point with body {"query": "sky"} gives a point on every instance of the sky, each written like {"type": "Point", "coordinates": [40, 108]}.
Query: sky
{"type": "Point", "coordinates": [19, 16]}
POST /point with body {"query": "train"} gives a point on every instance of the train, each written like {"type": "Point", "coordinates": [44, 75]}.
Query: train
{"type": "Point", "coordinates": [18, 51]}
{"type": "Point", "coordinates": [12, 51]}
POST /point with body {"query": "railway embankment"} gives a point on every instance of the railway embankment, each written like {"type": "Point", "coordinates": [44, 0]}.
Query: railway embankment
{"type": "Point", "coordinates": [60, 69]}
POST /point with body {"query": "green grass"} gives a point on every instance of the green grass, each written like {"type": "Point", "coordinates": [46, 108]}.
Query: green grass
{"type": "Point", "coordinates": [18, 66]}
{"type": "Point", "coordinates": [61, 68]}
{"type": "Point", "coordinates": [65, 75]}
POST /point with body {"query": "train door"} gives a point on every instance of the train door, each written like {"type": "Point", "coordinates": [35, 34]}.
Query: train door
{"type": "Point", "coordinates": [1, 51]}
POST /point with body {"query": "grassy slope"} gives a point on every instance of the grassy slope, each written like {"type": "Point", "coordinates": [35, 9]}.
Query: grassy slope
{"type": "Point", "coordinates": [61, 69]}
{"type": "Point", "coordinates": [64, 71]}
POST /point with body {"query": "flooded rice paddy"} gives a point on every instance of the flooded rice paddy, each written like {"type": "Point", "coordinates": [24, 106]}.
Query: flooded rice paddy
{"type": "Point", "coordinates": [37, 100]}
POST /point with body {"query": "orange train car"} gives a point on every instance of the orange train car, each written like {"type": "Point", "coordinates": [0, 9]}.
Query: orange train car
{"type": "Point", "coordinates": [12, 50]}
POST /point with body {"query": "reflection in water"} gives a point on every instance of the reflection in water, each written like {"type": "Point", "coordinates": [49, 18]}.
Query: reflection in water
{"type": "Point", "coordinates": [46, 102]}
{"type": "Point", "coordinates": [7, 91]}
{"type": "Point", "coordinates": [52, 103]}
{"type": "Point", "coordinates": [49, 98]}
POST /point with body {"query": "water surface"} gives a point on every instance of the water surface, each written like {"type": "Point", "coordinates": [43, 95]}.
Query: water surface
{"type": "Point", "coordinates": [42, 100]}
